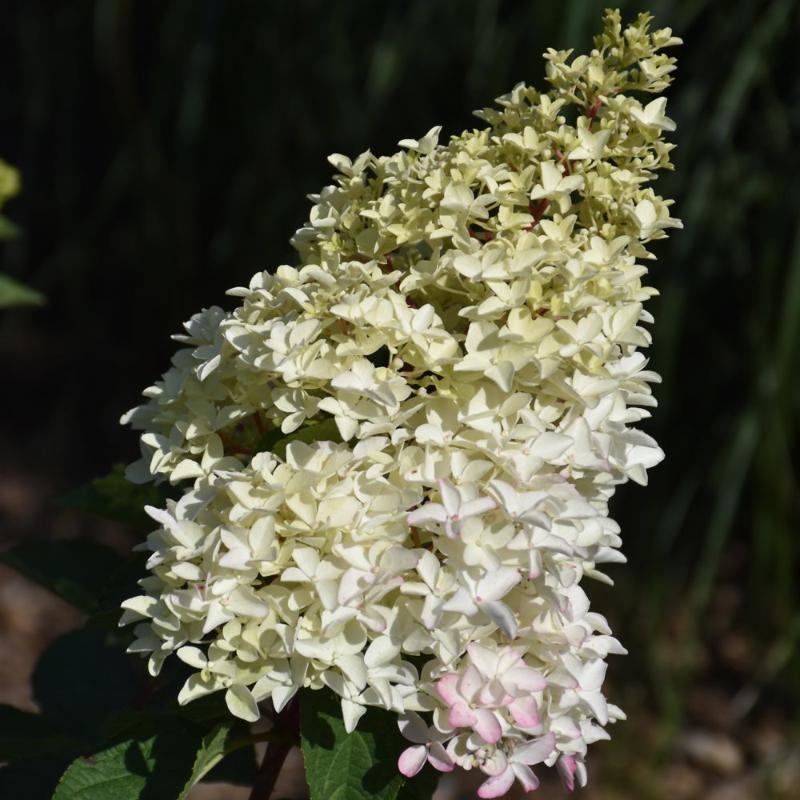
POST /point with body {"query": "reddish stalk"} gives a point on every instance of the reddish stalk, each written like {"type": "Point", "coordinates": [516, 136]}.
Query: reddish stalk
{"type": "Point", "coordinates": [287, 735]}
{"type": "Point", "coordinates": [593, 110]}
{"type": "Point", "coordinates": [233, 447]}
{"type": "Point", "coordinates": [537, 212]}
{"type": "Point", "coordinates": [562, 159]}
{"type": "Point", "coordinates": [481, 236]}
{"type": "Point", "coordinates": [259, 423]}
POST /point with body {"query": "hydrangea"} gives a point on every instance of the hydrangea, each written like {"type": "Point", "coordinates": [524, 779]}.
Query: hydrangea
{"type": "Point", "coordinates": [396, 457]}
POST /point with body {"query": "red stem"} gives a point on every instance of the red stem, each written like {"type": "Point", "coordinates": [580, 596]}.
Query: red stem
{"type": "Point", "coordinates": [287, 727]}
{"type": "Point", "coordinates": [233, 447]}
{"type": "Point", "coordinates": [481, 236]}
{"type": "Point", "coordinates": [259, 423]}
{"type": "Point", "coordinates": [562, 159]}
{"type": "Point", "coordinates": [592, 112]}
{"type": "Point", "coordinates": [537, 211]}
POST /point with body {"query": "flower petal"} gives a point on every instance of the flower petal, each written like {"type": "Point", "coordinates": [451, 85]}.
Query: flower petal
{"type": "Point", "coordinates": [498, 583]}
{"type": "Point", "coordinates": [525, 712]}
{"type": "Point", "coordinates": [535, 751]}
{"type": "Point", "coordinates": [470, 683]}
{"type": "Point", "coordinates": [487, 725]}
{"type": "Point", "coordinates": [412, 760]}
{"type": "Point", "coordinates": [451, 498]}
{"type": "Point", "coordinates": [460, 716]}
{"type": "Point", "coordinates": [524, 774]}
{"type": "Point", "coordinates": [447, 687]}
{"type": "Point", "coordinates": [526, 678]}
{"type": "Point", "coordinates": [501, 615]}
{"type": "Point", "coordinates": [498, 785]}
{"type": "Point", "coordinates": [413, 727]}
{"type": "Point", "coordinates": [241, 703]}
{"type": "Point", "coordinates": [439, 758]}
{"type": "Point", "coordinates": [472, 508]}
{"type": "Point", "coordinates": [430, 512]}
{"type": "Point", "coordinates": [566, 766]}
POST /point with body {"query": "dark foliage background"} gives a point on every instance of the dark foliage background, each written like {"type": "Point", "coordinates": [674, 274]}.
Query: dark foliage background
{"type": "Point", "coordinates": [166, 150]}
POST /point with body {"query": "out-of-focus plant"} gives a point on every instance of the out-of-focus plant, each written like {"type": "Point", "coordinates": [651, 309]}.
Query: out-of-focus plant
{"type": "Point", "coordinates": [12, 293]}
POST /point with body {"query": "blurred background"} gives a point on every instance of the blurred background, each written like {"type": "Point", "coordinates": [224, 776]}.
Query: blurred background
{"type": "Point", "coordinates": [166, 150]}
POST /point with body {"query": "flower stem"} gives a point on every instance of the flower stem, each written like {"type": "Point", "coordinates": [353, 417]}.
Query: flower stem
{"type": "Point", "coordinates": [537, 212]}
{"type": "Point", "coordinates": [286, 735]}
{"type": "Point", "coordinates": [591, 113]}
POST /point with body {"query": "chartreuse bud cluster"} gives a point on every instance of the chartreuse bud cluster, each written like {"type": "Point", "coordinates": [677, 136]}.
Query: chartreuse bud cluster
{"type": "Point", "coordinates": [397, 456]}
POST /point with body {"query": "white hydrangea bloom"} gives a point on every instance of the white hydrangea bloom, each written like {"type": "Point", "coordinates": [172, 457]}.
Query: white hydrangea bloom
{"type": "Point", "coordinates": [455, 369]}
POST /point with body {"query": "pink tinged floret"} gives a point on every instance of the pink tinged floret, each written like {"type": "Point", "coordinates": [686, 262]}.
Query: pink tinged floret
{"type": "Point", "coordinates": [566, 766]}
{"type": "Point", "coordinates": [536, 566]}
{"type": "Point", "coordinates": [493, 694]}
{"type": "Point", "coordinates": [412, 760]}
{"type": "Point", "coordinates": [519, 766]}
{"type": "Point", "coordinates": [525, 712]}
{"type": "Point", "coordinates": [471, 683]}
{"type": "Point", "coordinates": [497, 785]}
{"type": "Point", "coordinates": [507, 658]}
{"type": "Point", "coordinates": [524, 774]}
{"type": "Point", "coordinates": [447, 688]}
{"type": "Point", "coordinates": [459, 692]}
{"type": "Point", "coordinates": [484, 721]}
{"type": "Point", "coordinates": [427, 745]}
{"type": "Point", "coordinates": [487, 726]}
{"type": "Point", "coordinates": [461, 716]}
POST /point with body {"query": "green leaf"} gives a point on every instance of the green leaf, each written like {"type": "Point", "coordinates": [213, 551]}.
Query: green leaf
{"type": "Point", "coordinates": [23, 734]}
{"type": "Point", "coordinates": [75, 570]}
{"type": "Point", "coordinates": [276, 442]}
{"type": "Point", "coordinates": [215, 746]}
{"type": "Point", "coordinates": [82, 679]}
{"type": "Point", "coordinates": [14, 293]}
{"type": "Point", "coordinates": [224, 747]}
{"type": "Point", "coordinates": [151, 768]}
{"type": "Point", "coordinates": [239, 766]}
{"type": "Point", "coordinates": [115, 497]}
{"type": "Point", "coordinates": [358, 766]}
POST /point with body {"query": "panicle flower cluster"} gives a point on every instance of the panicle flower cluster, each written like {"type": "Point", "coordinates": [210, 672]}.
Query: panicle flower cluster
{"type": "Point", "coordinates": [397, 456]}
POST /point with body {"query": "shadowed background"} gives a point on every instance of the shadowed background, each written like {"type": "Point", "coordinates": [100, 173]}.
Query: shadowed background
{"type": "Point", "coordinates": [166, 151]}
